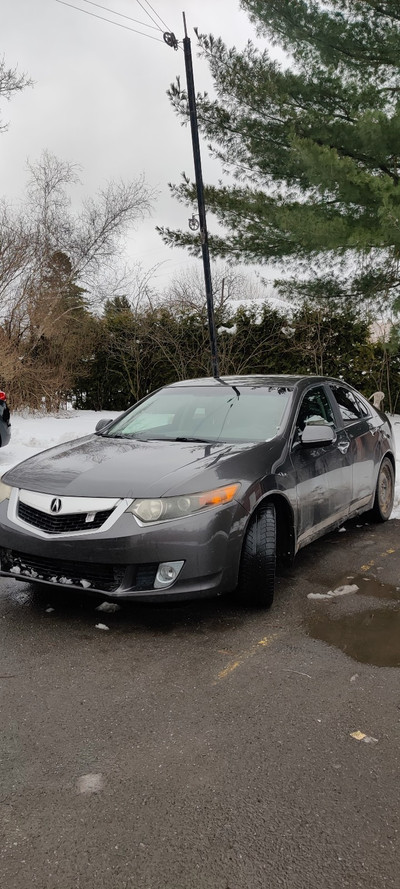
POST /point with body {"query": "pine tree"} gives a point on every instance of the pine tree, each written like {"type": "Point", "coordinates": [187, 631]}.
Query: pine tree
{"type": "Point", "coordinates": [310, 145]}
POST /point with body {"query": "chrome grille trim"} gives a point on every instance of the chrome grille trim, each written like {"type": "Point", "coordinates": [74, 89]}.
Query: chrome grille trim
{"type": "Point", "coordinates": [61, 524]}
{"type": "Point", "coordinates": [42, 502]}
{"type": "Point", "coordinates": [70, 506]}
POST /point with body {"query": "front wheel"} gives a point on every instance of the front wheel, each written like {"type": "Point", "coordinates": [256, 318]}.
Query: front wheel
{"type": "Point", "coordinates": [384, 493]}
{"type": "Point", "coordinates": [256, 584]}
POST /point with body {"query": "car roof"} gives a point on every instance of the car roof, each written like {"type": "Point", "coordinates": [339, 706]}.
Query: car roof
{"type": "Point", "coordinates": [253, 380]}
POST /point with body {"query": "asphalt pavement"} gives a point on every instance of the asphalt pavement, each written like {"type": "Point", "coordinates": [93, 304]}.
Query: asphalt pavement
{"type": "Point", "coordinates": [203, 746]}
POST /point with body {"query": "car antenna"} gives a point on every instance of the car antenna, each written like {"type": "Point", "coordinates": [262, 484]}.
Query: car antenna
{"type": "Point", "coordinates": [231, 386]}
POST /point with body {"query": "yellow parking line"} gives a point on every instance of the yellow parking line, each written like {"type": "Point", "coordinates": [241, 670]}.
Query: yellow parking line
{"type": "Point", "coordinates": [367, 566]}
{"type": "Point", "coordinates": [245, 656]}
{"type": "Point", "coordinates": [371, 564]}
{"type": "Point", "coordinates": [229, 669]}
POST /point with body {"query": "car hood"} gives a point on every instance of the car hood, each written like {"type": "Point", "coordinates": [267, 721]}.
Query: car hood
{"type": "Point", "coordinates": [105, 467]}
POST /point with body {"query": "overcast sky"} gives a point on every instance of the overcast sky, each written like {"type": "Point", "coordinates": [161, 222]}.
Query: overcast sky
{"type": "Point", "coordinates": [99, 99]}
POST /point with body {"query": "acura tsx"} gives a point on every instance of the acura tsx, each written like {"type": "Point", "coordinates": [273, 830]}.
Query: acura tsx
{"type": "Point", "coordinates": [200, 488]}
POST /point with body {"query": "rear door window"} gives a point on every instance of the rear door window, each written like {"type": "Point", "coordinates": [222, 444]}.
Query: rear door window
{"type": "Point", "coordinates": [350, 407]}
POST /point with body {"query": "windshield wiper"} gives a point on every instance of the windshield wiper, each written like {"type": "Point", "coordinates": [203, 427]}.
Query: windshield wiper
{"type": "Point", "coordinates": [125, 435]}
{"type": "Point", "coordinates": [141, 436]}
{"type": "Point", "coordinates": [188, 438]}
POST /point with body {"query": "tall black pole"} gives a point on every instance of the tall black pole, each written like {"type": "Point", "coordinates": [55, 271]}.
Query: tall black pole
{"type": "Point", "coordinates": [200, 199]}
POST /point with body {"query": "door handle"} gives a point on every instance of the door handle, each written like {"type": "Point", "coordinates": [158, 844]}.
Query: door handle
{"type": "Point", "coordinates": [343, 446]}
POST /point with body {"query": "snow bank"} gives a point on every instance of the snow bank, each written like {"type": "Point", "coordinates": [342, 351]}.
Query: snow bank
{"type": "Point", "coordinates": [33, 432]}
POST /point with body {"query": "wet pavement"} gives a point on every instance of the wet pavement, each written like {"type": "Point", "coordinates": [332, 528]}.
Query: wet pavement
{"type": "Point", "coordinates": [370, 637]}
{"type": "Point", "coordinates": [203, 746]}
{"type": "Point", "coordinates": [364, 622]}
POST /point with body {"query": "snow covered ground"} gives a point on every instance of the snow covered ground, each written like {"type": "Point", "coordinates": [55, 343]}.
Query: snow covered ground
{"type": "Point", "coordinates": [33, 432]}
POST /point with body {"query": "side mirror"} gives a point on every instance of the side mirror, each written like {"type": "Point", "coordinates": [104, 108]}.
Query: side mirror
{"type": "Point", "coordinates": [102, 424]}
{"type": "Point", "coordinates": [317, 436]}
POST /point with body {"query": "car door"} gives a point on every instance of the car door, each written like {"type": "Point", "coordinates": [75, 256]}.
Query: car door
{"type": "Point", "coordinates": [322, 474]}
{"type": "Point", "coordinates": [363, 433]}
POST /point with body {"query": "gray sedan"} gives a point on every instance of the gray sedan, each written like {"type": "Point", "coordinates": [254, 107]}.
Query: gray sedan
{"type": "Point", "coordinates": [198, 489]}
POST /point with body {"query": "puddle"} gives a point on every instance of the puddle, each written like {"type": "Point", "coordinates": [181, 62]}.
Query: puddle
{"type": "Point", "coordinates": [371, 586]}
{"type": "Point", "coordinates": [370, 637]}
{"type": "Point", "coordinates": [368, 585]}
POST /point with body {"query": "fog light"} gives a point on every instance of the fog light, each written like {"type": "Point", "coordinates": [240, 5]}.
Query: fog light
{"type": "Point", "coordinates": [167, 574]}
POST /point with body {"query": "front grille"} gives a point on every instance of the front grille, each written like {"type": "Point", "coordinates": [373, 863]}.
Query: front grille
{"type": "Point", "coordinates": [103, 577]}
{"type": "Point", "coordinates": [61, 524]}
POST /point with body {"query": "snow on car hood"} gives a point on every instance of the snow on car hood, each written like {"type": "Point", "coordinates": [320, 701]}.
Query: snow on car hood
{"type": "Point", "coordinates": [108, 467]}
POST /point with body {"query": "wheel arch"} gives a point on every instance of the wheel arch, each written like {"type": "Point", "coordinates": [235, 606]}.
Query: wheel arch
{"type": "Point", "coordinates": [388, 455]}
{"type": "Point", "coordinates": [285, 533]}
{"type": "Point", "coordinates": [380, 512]}
{"type": "Point", "coordinates": [391, 457]}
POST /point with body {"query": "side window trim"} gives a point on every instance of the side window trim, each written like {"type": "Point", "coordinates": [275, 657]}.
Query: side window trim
{"type": "Point", "coordinates": [358, 404]}
{"type": "Point", "coordinates": [365, 405]}
{"type": "Point", "coordinates": [334, 406]}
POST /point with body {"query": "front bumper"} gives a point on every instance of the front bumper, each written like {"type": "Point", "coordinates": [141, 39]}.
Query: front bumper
{"type": "Point", "coordinates": [121, 562]}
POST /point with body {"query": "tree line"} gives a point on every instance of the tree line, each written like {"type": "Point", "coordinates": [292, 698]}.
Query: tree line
{"type": "Point", "coordinates": [140, 348]}
{"type": "Point", "coordinates": [109, 358]}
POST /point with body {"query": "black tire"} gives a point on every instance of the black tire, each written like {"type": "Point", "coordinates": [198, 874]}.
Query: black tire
{"type": "Point", "coordinates": [384, 493]}
{"type": "Point", "coordinates": [256, 584]}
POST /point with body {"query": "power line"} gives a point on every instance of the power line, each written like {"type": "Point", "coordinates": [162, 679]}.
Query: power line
{"type": "Point", "coordinates": [120, 14]}
{"type": "Point", "coordinates": [168, 35]}
{"type": "Point", "coordinates": [150, 16]}
{"type": "Point", "coordinates": [158, 16]}
{"type": "Point", "coordinates": [110, 21]}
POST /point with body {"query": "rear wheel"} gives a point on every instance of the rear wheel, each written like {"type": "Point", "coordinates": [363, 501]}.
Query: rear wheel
{"type": "Point", "coordinates": [384, 493]}
{"type": "Point", "coordinates": [256, 583]}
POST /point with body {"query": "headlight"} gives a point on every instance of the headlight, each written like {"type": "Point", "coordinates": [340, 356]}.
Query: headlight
{"type": "Point", "coordinates": [5, 491]}
{"type": "Point", "coordinates": [161, 509]}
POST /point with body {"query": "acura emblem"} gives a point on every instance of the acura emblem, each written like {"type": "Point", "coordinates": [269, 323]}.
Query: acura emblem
{"type": "Point", "coordinates": [55, 505]}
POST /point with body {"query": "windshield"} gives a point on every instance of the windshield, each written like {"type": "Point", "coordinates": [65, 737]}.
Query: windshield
{"type": "Point", "coordinates": [206, 414]}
